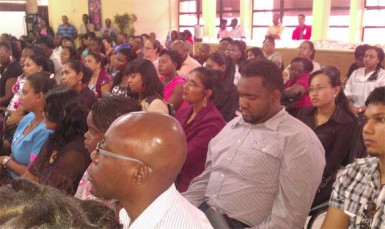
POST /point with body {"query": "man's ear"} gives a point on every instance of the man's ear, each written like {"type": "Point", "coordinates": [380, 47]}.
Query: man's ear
{"type": "Point", "coordinates": [141, 175]}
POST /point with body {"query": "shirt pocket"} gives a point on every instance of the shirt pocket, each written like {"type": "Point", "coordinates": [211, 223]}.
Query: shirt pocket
{"type": "Point", "coordinates": [260, 161]}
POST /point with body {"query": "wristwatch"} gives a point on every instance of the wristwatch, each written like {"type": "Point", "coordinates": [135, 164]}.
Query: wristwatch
{"type": "Point", "coordinates": [5, 160]}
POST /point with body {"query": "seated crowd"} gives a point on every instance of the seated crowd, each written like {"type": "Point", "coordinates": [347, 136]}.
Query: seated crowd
{"type": "Point", "coordinates": [124, 127]}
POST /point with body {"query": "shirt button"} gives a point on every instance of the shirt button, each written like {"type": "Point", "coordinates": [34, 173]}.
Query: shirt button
{"type": "Point", "coordinates": [214, 195]}
{"type": "Point", "coordinates": [239, 141]}
{"type": "Point", "coordinates": [264, 149]}
{"type": "Point", "coordinates": [228, 158]}
{"type": "Point", "coordinates": [223, 175]}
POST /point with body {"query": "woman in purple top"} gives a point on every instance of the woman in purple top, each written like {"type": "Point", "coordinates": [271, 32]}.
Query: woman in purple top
{"type": "Point", "coordinates": [101, 81]}
{"type": "Point", "coordinates": [169, 63]}
{"type": "Point", "coordinates": [201, 122]}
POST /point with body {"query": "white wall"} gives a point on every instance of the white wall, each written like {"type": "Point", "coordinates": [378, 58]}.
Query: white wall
{"type": "Point", "coordinates": [13, 22]}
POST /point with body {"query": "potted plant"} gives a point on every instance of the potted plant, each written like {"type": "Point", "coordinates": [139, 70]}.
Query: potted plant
{"type": "Point", "coordinates": [125, 22]}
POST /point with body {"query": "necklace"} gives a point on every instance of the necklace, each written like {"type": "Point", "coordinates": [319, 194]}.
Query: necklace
{"type": "Point", "coordinates": [17, 139]}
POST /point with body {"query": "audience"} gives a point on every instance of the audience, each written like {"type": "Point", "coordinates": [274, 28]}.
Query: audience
{"type": "Point", "coordinates": [67, 54]}
{"type": "Point", "coordinates": [102, 114]}
{"type": "Point", "coordinates": [152, 49]}
{"type": "Point", "coordinates": [223, 32]}
{"type": "Point", "coordinates": [236, 31]}
{"type": "Point", "coordinates": [264, 168]}
{"type": "Point", "coordinates": [236, 51]}
{"type": "Point", "coordinates": [203, 53]}
{"type": "Point", "coordinates": [109, 30]}
{"type": "Point", "coordinates": [332, 121]}
{"type": "Point", "coordinates": [359, 54]}
{"type": "Point", "coordinates": [101, 81]}
{"type": "Point", "coordinates": [254, 52]}
{"type": "Point", "coordinates": [46, 45]}
{"type": "Point", "coordinates": [302, 31]}
{"type": "Point", "coordinates": [67, 29]}
{"type": "Point", "coordinates": [45, 29]}
{"type": "Point", "coordinates": [77, 76]}
{"type": "Point", "coordinates": [223, 43]}
{"type": "Point", "coordinates": [141, 176]}
{"type": "Point", "coordinates": [25, 204]}
{"type": "Point", "coordinates": [188, 63]}
{"type": "Point", "coordinates": [270, 53]}
{"type": "Point", "coordinates": [201, 121]}
{"type": "Point", "coordinates": [226, 96]}
{"type": "Point", "coordinates": [109, 52]}
{"type": "Point", "coordinates": [143, 80]}
{"type": "Point", "coordinates": [31, 133]}
{"type": "Point", "coordinates": [10, 69]}
{"type": "Point", "coordinates": [169, 63]}
{"type": "Point", "coordinates": [364, 80]}
{"type": "Point", "coordinates": [296, 88]}
{"type": "Point", "coordinates": [63, 158]}
{"type": "Point", "coordinates": [357, 199]}
{"type": "Point", "coordinates": [120, 81]}
{"type": "Point", "coordinates": [86, 26]}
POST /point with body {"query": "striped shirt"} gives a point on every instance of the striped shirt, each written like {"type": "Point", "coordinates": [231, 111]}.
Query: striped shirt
{"type": "Point", "coordinates": [357, 185]}
{"type": "Point", "coordinates": [263, 174]}
{"type": "Point", "coordinates": [169, 210]}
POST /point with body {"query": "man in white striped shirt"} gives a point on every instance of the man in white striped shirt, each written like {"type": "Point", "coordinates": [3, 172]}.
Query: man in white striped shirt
{"type": "Point", "coordinates": [137, 164]}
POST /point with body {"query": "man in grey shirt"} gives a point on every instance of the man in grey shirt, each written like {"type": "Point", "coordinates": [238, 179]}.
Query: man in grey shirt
{"type": "Point", "coordinates": [264, 168]}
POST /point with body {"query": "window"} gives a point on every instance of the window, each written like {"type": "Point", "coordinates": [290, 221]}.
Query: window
{"type": "Point", "coordinates": [190, 13]}
{"type": "Point", "coordinates": [373, 25]}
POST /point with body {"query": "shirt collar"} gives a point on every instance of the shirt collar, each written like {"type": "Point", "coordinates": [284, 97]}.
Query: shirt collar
{"type": "Point", "coordinates": [272, 123]}
{"type": "Point", "coordinates": [339, 115]}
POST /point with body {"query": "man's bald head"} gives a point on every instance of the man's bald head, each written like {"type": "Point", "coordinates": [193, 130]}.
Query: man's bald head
{"type": "Point", "coordinates": [156, 139]}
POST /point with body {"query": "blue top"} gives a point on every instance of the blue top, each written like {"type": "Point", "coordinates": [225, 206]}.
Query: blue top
{"type": "Point", "coordinates": [25, 148]}
{"type": "Point", "coordinates": [66, 31]}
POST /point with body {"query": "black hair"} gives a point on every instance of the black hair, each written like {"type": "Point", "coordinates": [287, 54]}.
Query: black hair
{"type": "Point", "coordinates": [130, 55]}
{"type": "Point", "coordinates": [41, 82]}
{"type": "Point", "coordinates": [222, 59]}
{"type": "Point", "coordinates": [257, 52]}
{"type": "Point", "coordinates": [156, 45]}
{"type": "Point", "coordinates": [271, 39]}
{"type": "Point", "coordinates": [99, 40]}
{"type": "Point", "coordinates": [302, 15]}
{"type": "Point", "coordinates": [47, 40]}
{"type": "Point", "coordinates": [380, 56]}
{"type": "Point", "coordinates": [26, 204]}
{"type": "Point", "coordinates": [63, 107]}
{"type": "Point", "coordinates": [174, 56]}
{"type": "Point", "coordinates": [208, 77]}
{"type": "Point", "coordinates": [360, 50]}
{"type": "Point", "coordinates": [99, 59]}
{"type": "Point", "coordinates": [333, 75]}
{"type": "Point", "coordinates": [307, 64]}
{"type": "Point", "coordinates": [311, 46]}
{"type": "Point", "coordinates": [377, 96]}
{"type": "Point", "coordinates": [74, 54]}
{"type": "Point", "coordinates": [47, 64]}
{"type": "Point", "coordinates": [108, 39]}
{"type": "Point", "coordinates": [6, 45]}
{"type": "Point", "coordinates": [269, 72]}
{"type": "Point", "coordinates": [145, 35]}
{"type": "Point", "coordinates": [79, 67]}
{"type": "Point", "coordinates": [67, 38]}
{"type": "Point", "coordinates": [109, 108]}
{"type": "Point", "coordinates": [151, 83]}
{"type": "Point", "coordinates": [228, 39]}
{"type": "Point", "coordinates": [35, 49]}
{"type": "Point", "coordinates": [32, 31]}
{"type": "Point", "coordinates": [241, 45]}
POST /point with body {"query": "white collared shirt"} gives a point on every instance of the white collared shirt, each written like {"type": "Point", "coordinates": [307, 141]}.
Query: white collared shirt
{"type": "Point", "coordinates": [169, 210]}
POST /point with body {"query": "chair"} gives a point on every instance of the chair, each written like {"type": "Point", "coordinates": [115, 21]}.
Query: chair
{"type": "Point", "coordinates": [317, 212]}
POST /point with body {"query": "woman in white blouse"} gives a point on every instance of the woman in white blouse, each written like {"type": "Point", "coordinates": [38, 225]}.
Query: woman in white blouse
{"type": "Point", "coordinates": [365, 80]}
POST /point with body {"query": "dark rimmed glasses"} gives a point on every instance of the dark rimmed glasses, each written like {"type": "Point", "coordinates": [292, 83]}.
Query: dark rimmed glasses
{"type": "Point", "coordinates": [100, 150]}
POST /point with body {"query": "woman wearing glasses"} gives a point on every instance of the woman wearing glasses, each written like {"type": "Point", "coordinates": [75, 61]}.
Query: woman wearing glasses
{"type": "Point", "coordinates": [63, 158]}
{"type": "Point", "coordinates": [201, 122]}
{"type": "Point", "coordinates": [334, 124]}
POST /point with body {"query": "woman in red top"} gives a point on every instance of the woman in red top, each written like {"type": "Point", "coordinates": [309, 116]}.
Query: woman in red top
{"type": "Point", "coordinates": [296, 88]}
{"type": "Point", "coordinates": [201, 122]}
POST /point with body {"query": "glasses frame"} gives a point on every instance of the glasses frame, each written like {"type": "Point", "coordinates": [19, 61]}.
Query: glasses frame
{"type": "Point", "coordinates": [99, 150]}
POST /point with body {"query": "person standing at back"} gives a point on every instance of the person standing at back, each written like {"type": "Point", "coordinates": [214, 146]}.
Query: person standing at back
{"type": "Point", "coordinates": [302, 31]}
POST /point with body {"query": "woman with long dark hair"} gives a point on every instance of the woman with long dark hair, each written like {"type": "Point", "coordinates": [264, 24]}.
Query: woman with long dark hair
{"type": "Point", "coordinates": [101, 81]}
{"type": "Point", "coordinates": [63, 158]}
{"type": "Point", "coordinates": [143, 79]}
{"type": "Point", "coordinates": [31, 132]}
{"type": "Point", "coordinates": [120, 83]}
{"type": "Point", "coordinates": [334, 124]}
{"type": "Point", "coordinates": [201, 122]}
{"type": "Point", "coordinates": [226, 99]}
{"type": "Point", "coordinates": [236, 51]}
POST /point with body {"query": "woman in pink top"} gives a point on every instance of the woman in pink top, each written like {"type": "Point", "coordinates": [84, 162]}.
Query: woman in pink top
{"type": "Point", "coordinates": [296, 88]}
{"type": "Point", "coordinates": [169, 63]}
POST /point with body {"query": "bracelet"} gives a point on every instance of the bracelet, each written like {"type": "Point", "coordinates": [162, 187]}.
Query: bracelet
{"type": "Point", "coordinates": [5, 160]}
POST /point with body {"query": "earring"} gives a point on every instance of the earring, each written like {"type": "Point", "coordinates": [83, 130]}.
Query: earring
{"type": "Point", "coordinates": [205, 102]}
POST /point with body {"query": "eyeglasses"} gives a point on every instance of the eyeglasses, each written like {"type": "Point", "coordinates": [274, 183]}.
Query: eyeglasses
{"type": "Point", "coordinates": [317, 89]}
{"type": "Point", "coordinates": [99, 150]}
{"type": "Point", "coordinates": [193, 84]}
{"type": "Point", "coordinates": [370, 210]}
